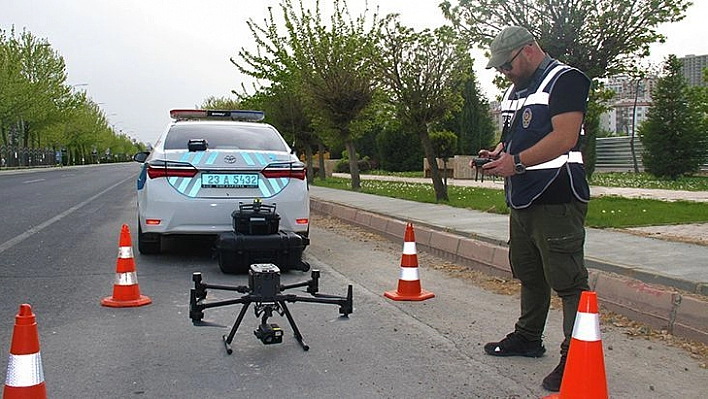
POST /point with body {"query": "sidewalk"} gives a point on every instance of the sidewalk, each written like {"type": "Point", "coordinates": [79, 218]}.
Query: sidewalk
{"type": "Point", "coordinates": [633, 275]}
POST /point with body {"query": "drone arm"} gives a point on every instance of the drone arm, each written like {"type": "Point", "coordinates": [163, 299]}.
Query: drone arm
{"type": "Point", "coordinates": [346, 305]}
{"type": "Point", "coordinates": [312, 284]}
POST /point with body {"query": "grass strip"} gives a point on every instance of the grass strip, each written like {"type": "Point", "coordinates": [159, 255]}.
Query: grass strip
{"type": "Point", "coordinates": [603, 212]}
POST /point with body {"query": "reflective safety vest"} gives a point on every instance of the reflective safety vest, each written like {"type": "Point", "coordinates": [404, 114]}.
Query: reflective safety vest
{"type": "Point", "coordinates": [528, 116]}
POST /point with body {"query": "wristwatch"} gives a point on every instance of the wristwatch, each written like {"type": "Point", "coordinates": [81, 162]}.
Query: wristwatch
{"type": "Point", "coordinates": [519, 168]}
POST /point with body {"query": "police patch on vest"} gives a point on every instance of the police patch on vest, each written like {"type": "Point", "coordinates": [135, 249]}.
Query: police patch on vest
{"type": "Point", "coordinates": [526, 117]}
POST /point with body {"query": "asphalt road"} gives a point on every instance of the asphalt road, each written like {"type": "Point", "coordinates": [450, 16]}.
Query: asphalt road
{"type": "Point", "coordinates": [59, 232]}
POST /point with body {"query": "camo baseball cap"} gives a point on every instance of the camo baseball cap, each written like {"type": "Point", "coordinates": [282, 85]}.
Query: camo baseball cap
{"type": "Point", "coordinates": [510, 38]}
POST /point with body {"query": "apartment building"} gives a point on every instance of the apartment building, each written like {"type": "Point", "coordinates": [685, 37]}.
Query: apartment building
{"type": "Point", "coordinates": [693, 66]}
{"type": "Point", "coordinates": [630, 106]}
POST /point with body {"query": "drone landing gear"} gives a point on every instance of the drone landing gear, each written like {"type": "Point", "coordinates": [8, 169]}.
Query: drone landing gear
{"type": "Point", "coordinates": [265, 292]}
{"type": "Point", "coordinates": [267, 333]}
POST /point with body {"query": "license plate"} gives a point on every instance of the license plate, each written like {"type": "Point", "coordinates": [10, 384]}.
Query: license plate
{"type": "Point", "coordinates": [224, 180]}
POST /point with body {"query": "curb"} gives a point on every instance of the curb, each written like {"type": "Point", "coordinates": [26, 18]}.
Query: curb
{"type": "Point", "coordinates": [643, 297]}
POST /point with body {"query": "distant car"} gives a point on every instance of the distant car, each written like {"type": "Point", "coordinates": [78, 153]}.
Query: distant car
{"type": "Point", "coordinates": [207, 163]}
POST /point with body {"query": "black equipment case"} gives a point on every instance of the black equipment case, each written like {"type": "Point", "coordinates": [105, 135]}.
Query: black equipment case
{"type": "Point", "coordinates": [256, 219]}
{"type": "Point", "coordinates": [237, 251]}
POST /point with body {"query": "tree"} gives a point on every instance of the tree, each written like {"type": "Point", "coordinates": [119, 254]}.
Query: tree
{"type": "Point", "coordinates": [444, 144]}
{"type": "Point", "coordinates": [285, 110]}
{"type": "Point", "coordinates": [600, 37]}
{"type": "Point", "coordinates": [424, 73]}
{"type": "Point", "coordinates": [698, 99]}
{"type": "Point", "coordinates": [226, 103]}
{"type": "Point", "coordinates": [32, 83]}
{"type": "Point", "coordinates": [333, 64]}
{"type": "Point", "coordinates": [473, 123]}
{"type": "Point", "coordinates": [672, 135]}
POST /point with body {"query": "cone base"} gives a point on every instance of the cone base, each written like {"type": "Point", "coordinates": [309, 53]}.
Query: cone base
{"type": "Point", "coordinates": [36, 391]}
{"type": "Point", "coordinates": [396, 296]}
{"type": "Point", "coordinates": [114, 303]}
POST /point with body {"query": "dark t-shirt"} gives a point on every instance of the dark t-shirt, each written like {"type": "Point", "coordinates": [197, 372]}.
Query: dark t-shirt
{"type": "Point", "coordinates": [569, 94]}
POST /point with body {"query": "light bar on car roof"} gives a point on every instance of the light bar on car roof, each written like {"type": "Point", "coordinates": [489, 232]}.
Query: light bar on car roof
{"type": "Point", "coordinates": [234, 115]}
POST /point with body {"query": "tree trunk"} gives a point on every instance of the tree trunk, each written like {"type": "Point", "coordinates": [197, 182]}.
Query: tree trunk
{"type": "Point", "coordinates": [308, 160]}
{"type": "Point", "coordinates": [634, 128]}
{"type": "Point", "coordinates": [24, 134]}
{"type": "Point", "coordinates": [440, 189]}
{"type": "Point", "coordinates": [321, 151]}
{"type": "Point", "coordinates": [353, 165]}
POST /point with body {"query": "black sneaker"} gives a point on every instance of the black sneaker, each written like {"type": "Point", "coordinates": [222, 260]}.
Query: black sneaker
{"type": "Point", "coordinates": [515, 345]}
{"type": "Point", "coordinates": [552, 382]}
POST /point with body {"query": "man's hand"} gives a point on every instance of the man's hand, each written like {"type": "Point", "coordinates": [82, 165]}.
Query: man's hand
{"type": "Point", "coordinates": [503, 166]}
{"type": "Point", "coordinates": [491, 154]}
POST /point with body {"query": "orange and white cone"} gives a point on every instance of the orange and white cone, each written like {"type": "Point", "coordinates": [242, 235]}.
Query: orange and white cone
{"type": "Point", "coordinates": [584, 375]}
{"type": "Point", "coordinates": [25, 377]}
{"type": "Point", "coordinates": [409, 281]}
{"type": "Point", "coordinates": [126, 291]}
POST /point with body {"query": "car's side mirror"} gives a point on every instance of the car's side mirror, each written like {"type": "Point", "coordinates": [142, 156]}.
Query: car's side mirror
{"type": "Point", "coordinates": [141, 156]}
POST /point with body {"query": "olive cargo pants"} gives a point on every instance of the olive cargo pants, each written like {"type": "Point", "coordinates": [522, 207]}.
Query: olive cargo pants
{"type": "Point", "coordinates": [546, 251]}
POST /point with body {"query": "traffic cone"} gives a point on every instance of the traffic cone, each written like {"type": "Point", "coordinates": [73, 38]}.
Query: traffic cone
{"type": "Point", "coordinates": [126, 292]}
{"type": "Point", "coordinates": [584, 375]}
{"type": "Point", "coordinates": [409, 282]}
{"type": "Point", "coordinates": [25, 378]}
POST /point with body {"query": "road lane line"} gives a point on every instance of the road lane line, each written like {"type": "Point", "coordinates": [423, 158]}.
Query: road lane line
{"type": "Point", "coordinates": [36, 229]}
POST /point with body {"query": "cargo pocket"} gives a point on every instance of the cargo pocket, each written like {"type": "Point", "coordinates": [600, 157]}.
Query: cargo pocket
{"type": "Point", "coordinates": [565, 266]}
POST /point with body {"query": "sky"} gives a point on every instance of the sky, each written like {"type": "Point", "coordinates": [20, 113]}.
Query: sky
{"type": "Point", "coordinates": [140, 58]}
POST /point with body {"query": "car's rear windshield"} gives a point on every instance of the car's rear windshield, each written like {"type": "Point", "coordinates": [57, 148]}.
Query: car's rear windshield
{"type": "Point", "coordinates": [226, 136]}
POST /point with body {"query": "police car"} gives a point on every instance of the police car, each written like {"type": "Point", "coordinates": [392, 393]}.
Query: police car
{"type": "Point", "coordinates": [208, 162]}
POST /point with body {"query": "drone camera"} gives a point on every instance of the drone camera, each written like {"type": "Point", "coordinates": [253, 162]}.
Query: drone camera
{"type": "Point", "coordinates": [269, 333]}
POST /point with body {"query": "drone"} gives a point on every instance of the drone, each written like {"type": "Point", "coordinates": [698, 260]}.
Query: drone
{"type": "Point", "coordinates": [266, 293]}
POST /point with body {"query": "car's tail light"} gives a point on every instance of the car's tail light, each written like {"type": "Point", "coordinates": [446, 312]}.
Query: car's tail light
{"type": "Point", "coordinates": [302, 221]}
{"type": "Point", "coordinates": [294, 171]}
{"type": "Point", "coordinates": [158, 169]}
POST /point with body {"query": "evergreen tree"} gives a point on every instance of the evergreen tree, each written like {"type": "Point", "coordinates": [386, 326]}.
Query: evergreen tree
{"type": "Point", "coordinates": [672, 136]}
{"type": "Point", "coordinates": [473, 123]}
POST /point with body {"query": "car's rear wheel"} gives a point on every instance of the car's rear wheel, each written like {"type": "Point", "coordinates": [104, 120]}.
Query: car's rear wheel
{"type": "Point", "coordinates": [148, 243]}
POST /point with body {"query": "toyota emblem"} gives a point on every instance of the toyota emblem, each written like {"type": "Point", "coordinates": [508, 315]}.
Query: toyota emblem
{"type": "Point", "coordinates": [229, 159]}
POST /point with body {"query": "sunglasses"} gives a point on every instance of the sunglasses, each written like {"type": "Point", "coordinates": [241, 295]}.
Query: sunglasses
{"type": "Point", "coordinates": [506, 67]}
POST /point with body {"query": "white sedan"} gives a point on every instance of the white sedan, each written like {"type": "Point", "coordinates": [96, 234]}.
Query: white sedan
{"type": "Point", "coordinates": [207, 163]}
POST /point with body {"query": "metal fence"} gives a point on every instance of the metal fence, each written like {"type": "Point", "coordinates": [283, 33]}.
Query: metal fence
{"type": "Point", "coordinates": [614, 154]}
{"type": "Point", "coordinates": [12, 157]}
{"type": "Point", "coordinates": [18, 157]}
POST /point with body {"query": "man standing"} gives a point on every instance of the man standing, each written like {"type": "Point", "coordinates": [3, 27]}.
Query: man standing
{"type": "Point", "coordinates": [545, 186]}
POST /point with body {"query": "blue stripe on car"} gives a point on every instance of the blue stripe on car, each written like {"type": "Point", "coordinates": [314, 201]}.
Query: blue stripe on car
{"type": "Point", "coordinates": [248, 159]}
{"type": "Point", "coordinates": [142, 177]}
{"type": "Point", "coordinates": [212, 158]}
{"type": "Point", "coordinates": [274, 184]}
{"type": "Point", "coordinates": [198, 158]}
{"type": "Point", "coordinates": [183, 186]}
{"type": "Point", "coordinates": [261, 159]}
{"type": "Point", "coordinates": [195, 189]}
{"type": "Point", "coordinates": [264, 189]}
{"type": "Point", "coordinates": [191, 187]}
